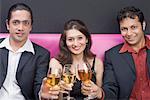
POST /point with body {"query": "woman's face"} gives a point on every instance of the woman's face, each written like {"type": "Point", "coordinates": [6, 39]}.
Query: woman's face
{"type": "Point", "coordinates": [76, 41]}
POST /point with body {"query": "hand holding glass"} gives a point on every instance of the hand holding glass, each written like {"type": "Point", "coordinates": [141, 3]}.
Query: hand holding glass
{"type": "Point", "coordinates": [52, 81]}
{"type": "Point", "coordinates": [85, 75]}
{"type": "Point", "coordinates": [69, 78]}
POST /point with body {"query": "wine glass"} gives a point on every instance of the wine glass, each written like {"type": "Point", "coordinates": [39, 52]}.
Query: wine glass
{"type": "Point", "coordinates": [53, 77]}
{"type": "Point", "coordinates": [85, 75]}
{"type": "Point", "coordinates": [52, 81]}
{"type": "Point", "coordinates": [69, 78]}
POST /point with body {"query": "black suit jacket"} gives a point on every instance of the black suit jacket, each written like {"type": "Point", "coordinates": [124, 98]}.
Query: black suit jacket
{"type": "Point", "coordinates": [30, 72]}
{"type": "Point", "coordinates": [119, 73]}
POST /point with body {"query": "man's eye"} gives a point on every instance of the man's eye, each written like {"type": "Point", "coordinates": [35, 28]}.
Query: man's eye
{"type": "Point", "coordinates": [16, 22]}
{"type": "Point", "coordinates": [123, 29]}
{"type": "Point", "coordinates": [26, 23]}
{"type": "Point", "coordinates": [133, 27]}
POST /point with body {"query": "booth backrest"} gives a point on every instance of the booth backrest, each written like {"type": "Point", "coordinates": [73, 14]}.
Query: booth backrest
{"type": "Point", "coordinates": [101, 42]}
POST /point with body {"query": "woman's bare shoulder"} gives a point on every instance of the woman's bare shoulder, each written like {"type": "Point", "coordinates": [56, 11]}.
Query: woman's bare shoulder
{"type": "Point", "coordinates": [54, 62]}
{"type": "Point", "coordinates": [98, 63]}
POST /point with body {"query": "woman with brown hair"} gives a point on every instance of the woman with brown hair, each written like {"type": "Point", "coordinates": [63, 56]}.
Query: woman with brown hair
{"type": "Point", "coordinates": [75, 44]}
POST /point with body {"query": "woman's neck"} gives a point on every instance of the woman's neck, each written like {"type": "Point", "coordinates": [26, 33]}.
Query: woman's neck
{"type": "Point", "coordinates": [77, 58]}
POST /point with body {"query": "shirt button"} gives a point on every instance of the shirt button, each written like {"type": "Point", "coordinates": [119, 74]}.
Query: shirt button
{"type": "Point", "coordinates": [141, 79]}
{"type": "Point", "coordinates": [142, 91]}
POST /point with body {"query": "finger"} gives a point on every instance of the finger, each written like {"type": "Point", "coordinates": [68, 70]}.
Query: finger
{"type": "Point", "coordinates": [84, 92]}
{"type": "Point", "coordinates": [87, 84]}
{"type": "Point", "coordinates": [43, 82]}
{"type": "Point", "coordinates": [54, 97]}
{"type": "Point", "coordinates": [53, 92]}
{"type": "Point", "coordinates": [63, 91]}
{"type": "Point", "coordinates": [54, 88]}
{"type": "Point", "coordinates": [48, 96]}
{"type": "Point", "coordinates": [86, 88]}
{"type": "Point", "coordinates": [63, 83]}
{"type": "Point", "coordinates": [65, 86]}
{"type": "Point", "coordinates": [51, 97]}
{"type": "Point", "coordinates": [94, 88]}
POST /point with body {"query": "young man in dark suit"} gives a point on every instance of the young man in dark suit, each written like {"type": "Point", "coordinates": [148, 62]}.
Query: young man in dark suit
{"type": "Point", "coordinates": [127, 65]}
{"type": "Point", "coordinates": [23, 64]}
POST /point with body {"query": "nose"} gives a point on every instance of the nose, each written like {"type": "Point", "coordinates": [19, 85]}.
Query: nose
{"type": "Point", "coordinates": [129, 32]}
{"type": "Point", "coordinates": [75, 42]}
{"type": "Point", "coordinates": [20, 27]}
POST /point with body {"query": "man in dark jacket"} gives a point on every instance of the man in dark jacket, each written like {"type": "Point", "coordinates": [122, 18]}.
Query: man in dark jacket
{"type": "Point", "coordinates": [127, 65]}
{"type": "Point", "coordinates": [23, 64]}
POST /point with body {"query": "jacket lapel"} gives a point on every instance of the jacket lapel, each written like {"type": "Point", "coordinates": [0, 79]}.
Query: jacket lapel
{"type": "Point", "coordinates": [148, 61]}
{"type": "Point", "coordinates": [4, 58]}
{"type": "Point", "coordinates": [128, 58]}
{"type": "Point", "coordinates": [3, 64]}
{"type": "Point", "coordinates": [25, 57]}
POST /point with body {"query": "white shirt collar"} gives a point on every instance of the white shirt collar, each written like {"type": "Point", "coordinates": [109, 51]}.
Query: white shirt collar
{"type": "Point", "coordinates": [28, 46]}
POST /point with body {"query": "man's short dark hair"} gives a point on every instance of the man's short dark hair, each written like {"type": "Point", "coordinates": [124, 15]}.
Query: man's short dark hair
{"type": "Point", "coordinates": [19, 6]}
{"type": "Point", "coordinates": [130, 12]}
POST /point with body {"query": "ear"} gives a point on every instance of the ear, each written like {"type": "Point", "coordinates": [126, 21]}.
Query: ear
{"type": "Point", "coordinates": [144, 25]}
{"type": "Point", "coordinates": [30, 28]}
{"type": "Point", "coordinates": [7, 24]}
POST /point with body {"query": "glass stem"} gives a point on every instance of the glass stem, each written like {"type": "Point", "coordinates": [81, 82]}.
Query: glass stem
{"type": "Point", "coordinates": [68, 95]}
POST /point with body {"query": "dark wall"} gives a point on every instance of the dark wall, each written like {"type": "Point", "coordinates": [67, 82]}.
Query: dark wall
{"type": "Point", "coordinates": [0, 15]}
{"type": "Point", "coordinates": [99, 15]}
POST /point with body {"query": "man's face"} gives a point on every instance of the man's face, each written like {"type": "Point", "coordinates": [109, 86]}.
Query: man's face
{"type": "Point", "coordinates": [132, 31]}
{"type": "Point", "coordinates": [19, 26]}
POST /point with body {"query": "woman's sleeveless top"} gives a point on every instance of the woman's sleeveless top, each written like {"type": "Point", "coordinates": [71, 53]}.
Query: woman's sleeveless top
{"type": "Point", "coordinates": [76, 90]}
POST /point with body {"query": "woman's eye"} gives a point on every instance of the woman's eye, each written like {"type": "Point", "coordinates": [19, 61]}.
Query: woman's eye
{"type": "Point", "coordinates": [70, 39]}
{"type": "Point", "coordinates": [80, 38]}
